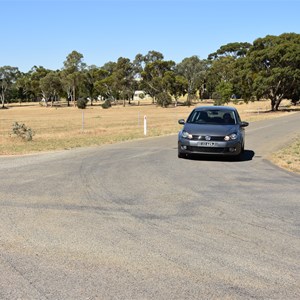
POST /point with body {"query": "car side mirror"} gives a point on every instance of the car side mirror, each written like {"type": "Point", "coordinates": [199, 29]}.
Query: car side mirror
{"type": "Point", "coordinates": [244, 124]}
{"type": "Point", "coordinates": [181, 121]}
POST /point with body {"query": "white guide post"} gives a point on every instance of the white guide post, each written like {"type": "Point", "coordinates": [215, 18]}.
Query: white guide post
{"type": "Point", "coordinates": [145, 125]}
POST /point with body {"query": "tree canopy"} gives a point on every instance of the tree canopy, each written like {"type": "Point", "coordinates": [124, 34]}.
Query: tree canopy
{"type": "Point", "coordinates": [269, 68]}
{"type": "Point", "coordinates": [273, 63]}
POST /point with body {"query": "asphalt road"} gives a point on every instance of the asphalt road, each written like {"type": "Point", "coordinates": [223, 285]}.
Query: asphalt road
{"type": "Point", "coordinates": [132, 221]}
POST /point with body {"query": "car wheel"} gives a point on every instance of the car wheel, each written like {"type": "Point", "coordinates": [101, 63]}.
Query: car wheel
{"type": "Point", "coordinates": [181, 155]}
{"type": "Point", "coordinates": [239, 156]}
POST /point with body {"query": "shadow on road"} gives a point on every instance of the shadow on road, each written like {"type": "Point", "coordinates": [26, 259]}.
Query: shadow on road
{"type": "Point", "coordinates": [246, 156]}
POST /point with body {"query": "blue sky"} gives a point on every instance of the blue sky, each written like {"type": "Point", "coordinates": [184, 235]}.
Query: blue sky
{"type": "Point", "coordinates": [44, 32]}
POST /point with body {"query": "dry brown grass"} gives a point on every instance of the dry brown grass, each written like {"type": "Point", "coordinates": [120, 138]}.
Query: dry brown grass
{"type": "Point", "coordinates": [58, 128]}
{"type": "Point", "coordinates": [288, 158]}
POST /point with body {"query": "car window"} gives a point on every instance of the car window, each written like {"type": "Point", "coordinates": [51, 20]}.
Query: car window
{"type": "Point", "coordinates": [213, 117]}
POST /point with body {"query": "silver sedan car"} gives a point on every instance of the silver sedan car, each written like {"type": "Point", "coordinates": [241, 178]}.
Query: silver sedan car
{"type": "Point", "coordinates": [212, 130]}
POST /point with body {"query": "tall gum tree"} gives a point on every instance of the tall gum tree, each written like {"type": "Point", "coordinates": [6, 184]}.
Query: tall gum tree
{"type": "Point", "coordinates": [273, 65]}
{"type": "Point", "coordinates": [90, 76]}
{"type": "Point", "coordinates": [153, 82]}
{"type": "Point", "coordinates": [222, 71]}
{"type": "Point", "coordinates": [29, 83]}
{"type": "Point", "coordinates": [193, 69]}
{"type": "Point", "coordinates": [51, 87]}
{"type": "Point", "coordinates": [8, 77]}
{"type": "Point", "coordinates": [72, 73]}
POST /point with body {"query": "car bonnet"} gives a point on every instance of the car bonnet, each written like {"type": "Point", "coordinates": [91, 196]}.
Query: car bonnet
{"type": "Point", "coordinates": [207, 129]}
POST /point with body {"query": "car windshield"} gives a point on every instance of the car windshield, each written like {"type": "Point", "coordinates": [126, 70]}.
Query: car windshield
{"type": "Point", "coordinates": [212, 117]}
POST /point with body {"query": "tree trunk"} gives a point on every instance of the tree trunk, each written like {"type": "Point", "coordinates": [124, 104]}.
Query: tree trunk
{"type": "Point", "coordinates": [275, 102]}
{"type": "Point", "coordinates": [69, 97]}
{"type": "Point", "coordinates": [188, 100]}
{"type": "Point", "coordinates": [277, 105]}
{"type": "Point", "coordinates": [74, 95]}
{"type": "Point", "coordinates": [272, 104]}
{"type": "Point", "coordinates": [2, 97]}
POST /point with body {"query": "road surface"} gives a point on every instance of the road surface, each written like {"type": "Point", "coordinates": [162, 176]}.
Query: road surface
{"type": "Point", "coordinates": [132, 221]}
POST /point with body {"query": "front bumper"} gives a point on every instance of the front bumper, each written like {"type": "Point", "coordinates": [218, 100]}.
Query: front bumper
{"type": "Point", "coordinates": [230, 148]}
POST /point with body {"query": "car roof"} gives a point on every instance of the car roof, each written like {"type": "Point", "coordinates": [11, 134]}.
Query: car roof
{"type": "Point", "coordinates": [228, 108]}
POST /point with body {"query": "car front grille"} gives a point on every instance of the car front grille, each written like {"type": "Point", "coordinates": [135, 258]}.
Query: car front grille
{"type": "Point", "coordinates": [207, 149]}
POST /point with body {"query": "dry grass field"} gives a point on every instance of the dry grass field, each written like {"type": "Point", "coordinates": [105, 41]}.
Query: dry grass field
{"type": "Point", "coordinates": [288, 158]}
{"type": "Point", "coordinates": [57, 128]}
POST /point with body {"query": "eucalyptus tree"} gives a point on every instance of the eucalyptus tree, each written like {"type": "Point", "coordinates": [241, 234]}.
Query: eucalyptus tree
{"type": "Point", "coordinates": [243, 80]}
{"type": "Point", "coordinates": [36, 74]}
{"type": "Point", "coordinates": [8, 77]}
{"type": "Point", "coordinates": [235, 50]}
{"type": "Point", "coordinates": [66, 82]}
{"type": "Point", "coordinates": [153, 82]}
{"type": "Point", "coordinates": [139, 65]}
{"type": "Point", "coordinates": [72, 74]}
{"type": "Point", "coordinates": [91, 75]}
{"type": "Point", "coordinates": [29, 82]}
{"type": "Point", "coordinates": [109, 67]}
{"type": "Point", "coordinates": [177, 85]}
{"type": "Point", "coordinates": [153, 56]}
{"type": "Point", "coordinates": [123, 79]}
{"type": "Point", "coordinates": [141, 61]}
{"type": "Point", "coordinates": [220, 71]}
{"type": "Point", "coordinates": [51, 87]}
{"type": "Point", "coordinates": [273, 68]}
{"type": "Point", "coordinates": [157, 77]}
{"type": "Point", "coordinates": [24, 86]}
{"type": "Point", "coordinates": [223, 67]}
{"type": "Point", "coordinates": [104, 84]}
{"type": "Point", "coordinates": [194, 70]}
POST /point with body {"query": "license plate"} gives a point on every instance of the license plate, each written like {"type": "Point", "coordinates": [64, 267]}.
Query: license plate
{"type": "Point", "coordinates": [206, 144]}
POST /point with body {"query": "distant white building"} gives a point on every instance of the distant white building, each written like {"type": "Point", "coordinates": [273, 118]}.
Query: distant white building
{"type": "Point", "coordinates": [140, 95]}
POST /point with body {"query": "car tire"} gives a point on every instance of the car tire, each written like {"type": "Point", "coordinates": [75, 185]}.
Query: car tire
{"type": "Point", "coordinates": [243, 148]}
{"type": "Point", "coordinates": [240, 156]}
{"type": "Point", "coordinates": [181, 155]}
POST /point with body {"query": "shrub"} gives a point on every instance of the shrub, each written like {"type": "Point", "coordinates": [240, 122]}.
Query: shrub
{"type": "Point", "coordinates": [81, 103]}
{"type": "Point", "coordinates": [22, 131]}
{"type": "Point", "coordinates": [164, 99]}
{"type": "Point", "coordinates": [205, 95]}
{"type": "Point", "coordinates": [106, 104]}
{"type": "Point", "coordinates": [225, 90]}
{"type": "Point", "coordinates": [217, 98]}
{"type": "Point", "coordinates": [235, 101]}
{"type": "Point", "coordinates": [187, 103]}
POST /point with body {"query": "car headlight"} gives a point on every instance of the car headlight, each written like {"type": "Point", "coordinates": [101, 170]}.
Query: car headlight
{"type": "Point", "coordinates": [231, 137]}
{"type": "Point", "coordinates": [186, 135]}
